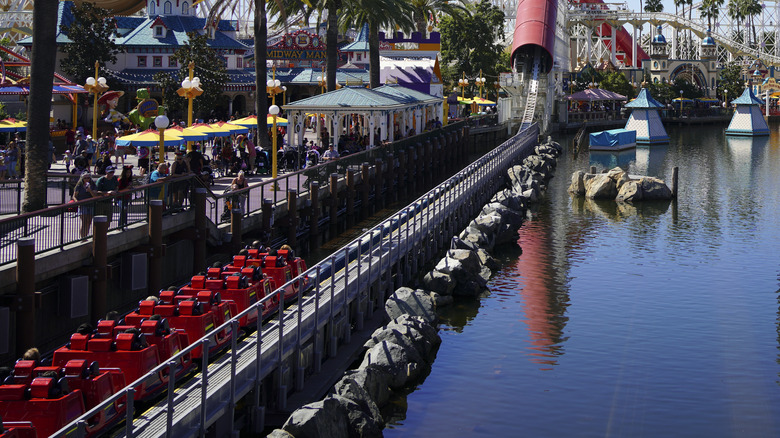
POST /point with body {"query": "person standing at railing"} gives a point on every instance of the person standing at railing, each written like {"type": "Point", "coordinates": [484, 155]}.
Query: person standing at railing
{"type": "Point", "coordinates": [107, 185]}
{"type": "Point", "coordinates": [238, 183]}
{"type": "Point", "coordinates": [159, 174]}
{"type": "Point", "coordinates": [179, 188]}
{"type": "Point", "coordinates": [11, 157]}
{"type": "Point", "coordinates": [84, 190]}
{"type": "Point", "coordinates": [124, 185]}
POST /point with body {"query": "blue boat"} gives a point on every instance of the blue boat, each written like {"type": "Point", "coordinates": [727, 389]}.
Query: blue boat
{"type": "Point", "coordinates": [613, 140]}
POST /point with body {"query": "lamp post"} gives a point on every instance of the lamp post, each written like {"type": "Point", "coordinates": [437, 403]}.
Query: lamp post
{"type": "Point", "coordinates": [463, 83]}
{"type": "Point", "coordinates": [284, 95]}
{"type": "Point", "coordinates": [190, 88]}
{"type": "Point", "coordinates": [480, 81]}
{"type": "Point", "coordinates": [273, 87]}
{"type": "Point", "coordinates": [322, 80]}
{"type": "Point", "coordinates": [274, 110]}
{"type": "Point", "coordinates": [95, 85]}
{"type": "Point", "coordinates": [161, 122]}
{"type": "Point", "coordinates": [681, 101]}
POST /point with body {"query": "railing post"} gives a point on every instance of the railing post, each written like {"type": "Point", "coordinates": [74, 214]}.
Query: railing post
{"type": "Point", "coordinates": [314, 216]}
{"type": "Point", "coordinates": [99, 264]}
{"type": "Point", "coordinates": [365, 209]}
{"type": "Point", "coordinates": [379, 184]}
{"type": "Point", "coordinates": [418, 165]}
{"type": "Point", "coordinates": [389, 176]}
{"type": "Point", "coordinates": [292, 216]}
{"type": "Point", "coordinates": [427, 165]}
{"type": "Point", "coordinates": [268, 219]}
{"type": "Point", "coordinates": [333, 187]}
{"type": "Point", "coordinates": [201, 232]}
{"type": "Point", "coordinates": [235, 229]}
{"type": "Point", "coordinates": [156, 246]}
{"type": "Point", "coordinates": [350, 197]}
{"type": "Point", "coordinates": [439, 163]}
{"type": "Point", "coordinates": [25, 292]}
{"type": "Point", "coordinates": [400, 185]}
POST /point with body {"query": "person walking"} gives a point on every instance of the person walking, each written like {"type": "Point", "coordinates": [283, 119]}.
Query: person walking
{"type": "Point", "coordinates": [238, 183]}
{"type": "Point", "coordinates": [84, 189]}
{"type": "Point", "coordinates": [66, 157]}
{"type": "Point", "coordinates": [179, 168]}
{"type": "Point", "coordinates": [11, 158]}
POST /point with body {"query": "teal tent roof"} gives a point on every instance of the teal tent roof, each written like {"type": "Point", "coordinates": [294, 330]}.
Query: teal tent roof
{"type": "Point", "coordinates": [748, 98]}
{"type": "Point", "coordinates": [643, 100]}
{"type": "Point", "coordinates": [360, 44]}
{"type": "Point", "coordinates": [401, 91]}
{"type": "Point", "coordinates": [352, 97]}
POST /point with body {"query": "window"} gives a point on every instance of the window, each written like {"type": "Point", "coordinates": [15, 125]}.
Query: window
{"type": "Point", "coordinates": [663, 64]}
{"type": "Point", "coordinates": [185, 8]}
{"type": "Point", "coordinates": [359, 56]}
{"type": "Point", "coordinates": [158, 31]}
{"type": "Point", "coordinates": [239, 62]}
{"type": "Point", "coordinates": [167, 8]}
{"type": "Point", "coordinates": [157, 61]}
{"type": "Point", "coordinates": [152, 10]}
{"type": "Point", "coordinates": [225, 61]}
{"type": "Point", "coordinates": [172, 62]}
{"type": "Point", "coordinates": [142, 61]}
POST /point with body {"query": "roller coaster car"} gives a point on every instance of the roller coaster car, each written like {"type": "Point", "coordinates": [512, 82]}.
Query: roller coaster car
{"type": "Point", "coordinates": [46, 402]}
{"type": "Point", "coordinates": [77, 377]}
{"type": "Point", "coordinates": [17, 429]}
{"type": "Point", "coordinates": [297, 265]}
{"type": "Point", "coordinates": [277, 268]}
{"type": "Point", "coordinates": [189, 317]}
{"type": "Point", "coordinates": [129, 352]}
{"type": "Point", "coordinates": [235, 288]}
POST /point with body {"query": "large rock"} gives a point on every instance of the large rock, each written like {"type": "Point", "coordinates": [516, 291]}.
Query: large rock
{"type": "Point", "coordinates": [402, 364]}
{"type": "Point", "coordinates": [440, 300]}
{"type": "Point", "coordinates": [428, 331]}
{"type": "Point", "coordinates": [361, 423]}
{"type": "Point", "coordinates": [487, 260]}
{"type": "Point", "coordinates": [439, 282]}
{"type": "Point", "coordinates": [325, 418]}
{"type": "Point", "coordinates": [655, 189]}
{"type": "Point", "coordinates": [468, 259]}
{"type": "Point", "coordinates": [509, 199]}
{"type": "Point", "coordinates": [506, 234]}
{"type": "Point", "coordinates": [374, 380]}
{"type": "Point", "coordinates": [507, 215]}
{"type": "Point", "coordinates": [458, 243]}
{"type": "Point", "coordinates": [601, 186]}
{"type": "Point", "coordinates": [406, 301]}
{"type": "Point", "coordinates": [405, 336]}
{"type": "Point", "coordinates": [487, 223]}
{"type": "Point", "coordinates": [577, 185]}
{"type": "Point", "coordinates": [279, 433]}
{"type": "Point", "coordinates": [475, 237]}
{"type": "Point", "coordinates": [630, 191]}
{"type": "Point", "coordinates": [351, 389]}
{"type": "Point", "coordinates": [518, 175]}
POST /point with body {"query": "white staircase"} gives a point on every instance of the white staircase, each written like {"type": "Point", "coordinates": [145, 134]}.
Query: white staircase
{"type": "Point", "coordinates": [530, 100]}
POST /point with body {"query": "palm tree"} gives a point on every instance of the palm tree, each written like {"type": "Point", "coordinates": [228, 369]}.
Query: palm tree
{"type": "Point", "coordinates": [751, 8]}
{"type": "Point", "coordinates": [260, 37]}
{"type": "Point", "coordinates": [735, 11]}
{"type": "Point", "coordinates": [423, 9]}
{"type": "Point", "coordinates": [711, 10]}
{"type": "Point", "coordinates": [377, 14]}
{"type": "Point", "coordinates": [39, 103]}
{"type": "Point", "coordinates": [654, 6]}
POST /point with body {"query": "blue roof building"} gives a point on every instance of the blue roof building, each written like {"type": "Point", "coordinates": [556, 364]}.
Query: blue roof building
{"type": "Point", "coordinates": [645, 119]}
{"type": "Point", "coordinates": [747, 119]}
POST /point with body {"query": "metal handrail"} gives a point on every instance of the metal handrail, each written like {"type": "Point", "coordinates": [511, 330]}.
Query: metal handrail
{"type": "Point", "coordinates": [337, 266]}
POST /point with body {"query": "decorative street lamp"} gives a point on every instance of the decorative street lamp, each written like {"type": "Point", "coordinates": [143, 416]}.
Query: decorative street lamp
{"type": "Point", "coordinates": [681, 101]}
{"type": "Point", "coordinates": [274, 110]}
{"type": "Point", "coordinates": [480, 81]}
{"type": "Point", "coordinates": [463, 82]}
{"type": "Point", "coordinates": [190, 88]}
{"type": "Point", "coordinates": [284, 95]}
{"type": "Point", "coordinates": [95, 85]}
{"type": "Point", "coordinates": [161, 122]}
{"type": "Point", "coordinates": [322, 80]}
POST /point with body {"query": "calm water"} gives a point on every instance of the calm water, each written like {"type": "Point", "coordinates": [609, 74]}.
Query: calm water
{"type": "Point", "coordinates": [626, 322]}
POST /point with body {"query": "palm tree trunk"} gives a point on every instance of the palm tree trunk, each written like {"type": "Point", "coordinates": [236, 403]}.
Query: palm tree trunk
{"type": "Point", "coordinates": [421, 23]}
{"type": "Point", "coordinates": [331, 41]}
{"type": "Point", "coordinates": [261, 70]}
{"type": "Point", "coordinates": [373, 53]}
{"type": "Point", "coordinates": [39, 103]}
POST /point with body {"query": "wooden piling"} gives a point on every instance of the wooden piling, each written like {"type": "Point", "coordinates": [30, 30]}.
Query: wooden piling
{"type": "Point", "coordinates": [365, 186]}
{"type": "Point", "coordinates": [379, 184]}
{"type": "Point", "coordinates": [99, 264]}
{"type": "Point", "coordinates": [155, 246]}
{"type": "Point", "coordinates": [25, 295]}
{"type": "Point", "coordinates": [292, 216]}
{"type": "Point", "coordinates": [200, 236]}
{"type": "Point", "coordinates": [350, 198]}
{"type": "Point", "coordinates": [235, 229]}
{"type": "Point", "coordinates": [675, 172]}
{"type": "Point", "coordinates": [334, 204]}
{"type": "Point", "coordinates": [314, 216]}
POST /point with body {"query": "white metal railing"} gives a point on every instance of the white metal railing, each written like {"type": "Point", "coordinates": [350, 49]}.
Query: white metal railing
{"type": "Point", "coordinates": [337, 281]}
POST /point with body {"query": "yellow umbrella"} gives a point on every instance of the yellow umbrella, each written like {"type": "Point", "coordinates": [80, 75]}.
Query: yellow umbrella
{"type": "Point", "coordinates": [150, 137]}
{"type": "Point", "coordinates": [13, 125]}
{"type": "Point", "coordinates": [234, 129]}
{"type": "Point", "coordinates": [279, 121]}
{"type": "Point", "coordinates": [464, 101]}
{"type": "Point", "coordinates": [251, 121]}
{"type": "Point", "coordinates": [481, 101]}
{"type": "Point", "coordinates": [211, 131]}
{"type": "Point", "coordinates": [187, 134]}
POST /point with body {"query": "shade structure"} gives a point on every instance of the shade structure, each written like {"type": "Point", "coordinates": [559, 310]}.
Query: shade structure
{"type": "Point", "coordinates": [234, 129]}
{"type": "Point", "coordinates": [595, 94]}
{"type": "Point", "coordinates": [187, 134]}
{"type": "Point", "coordinates": [682, 99]}
{"type": "Point", "coordinates": [280, 121]}
{"type": "Point", "coordinates": [465, 101]}
{"type": "Point", "coordinates": [483, 102]}
{"type": "Point", "coordinates": [645, 120]}
{"type": "Point", "coordinates": [13, 125]}
{"type": "Point", "coordinates": [211, 131]}
{"type": "Point", "coordinates": [251, 121]}
{"type": "Point", "coordinates": [150, 138]}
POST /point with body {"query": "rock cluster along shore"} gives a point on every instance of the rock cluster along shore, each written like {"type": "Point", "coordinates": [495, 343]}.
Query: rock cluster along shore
{"type": "Point", "coordinates": [468, 265]}
{"type": "Point", "coordinates": [402, 351]}
{"type": "Point", "coordinates": [617, 184]}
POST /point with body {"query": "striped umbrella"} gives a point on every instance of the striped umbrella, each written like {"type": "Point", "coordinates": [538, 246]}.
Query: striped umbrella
{"type": "Point", "coordinates": [150, 138]}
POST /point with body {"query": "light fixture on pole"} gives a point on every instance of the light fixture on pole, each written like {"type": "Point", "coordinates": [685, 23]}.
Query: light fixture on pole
{"type": "Point", "coordinates": [95, 85]}
{"type": "Point", "coordinates": [463, 83]}
{"type": "Point", "coordinates": [322, 80]}
{"type": "Point", "coordinates": [681, 101]}
{"type": "Point", "coordinates": [284, 95]}
{"type": "Point", "coordinates": [161, 122]}
{"type": "Point", "coordinates": [274, 110]}
{"type": "Point", "coordinates": [480, 81]}
{"type": "Point", "coordinates": [190, 88]}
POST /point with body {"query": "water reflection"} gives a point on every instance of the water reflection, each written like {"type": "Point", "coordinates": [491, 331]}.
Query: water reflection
{"type": "Point", "coordinates": [610, 160]}
{"type": "Point", "coordinates": [618, 211]}
{"type": "Point", "coordinates": [649, 160]}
